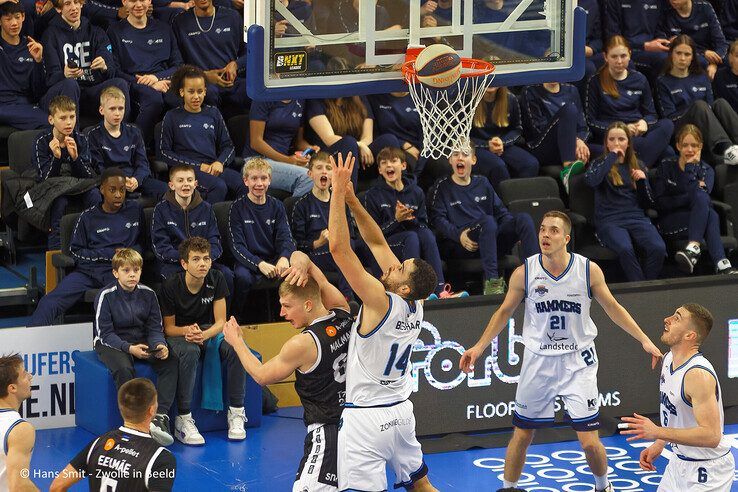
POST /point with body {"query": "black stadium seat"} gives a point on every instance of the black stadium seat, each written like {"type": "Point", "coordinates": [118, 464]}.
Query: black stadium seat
{"type": "Point", "coordinates": [526, 188]}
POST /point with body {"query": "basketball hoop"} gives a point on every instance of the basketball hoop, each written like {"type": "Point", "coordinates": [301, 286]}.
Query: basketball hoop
{"type": "Point", "coordinates": [446, 114]}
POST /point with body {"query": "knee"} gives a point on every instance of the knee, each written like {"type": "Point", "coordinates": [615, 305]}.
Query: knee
{"type": "Point", "coordinates": [524, 223]}
{"type": "Point", "coordinates": [721, 104]}
{"type": "Point", "coordinates": [523, 436]}
{"type": "Point", "coordinates": [488, 224]}
{"type": "Point", "coordinates": [123, 374]}
{"type": "Point", "coordinates": [655, 246]}
{"type": "Point", "coordinates": [188, 353]}
{"type": "Point", "coordinates": [590, 445]}
{"type": "Point", "coordinates": [568, 110]}
{"type": "Point", "coordinates": [70, 88]}
{"type": "Point", "coordinates": [702, 106]}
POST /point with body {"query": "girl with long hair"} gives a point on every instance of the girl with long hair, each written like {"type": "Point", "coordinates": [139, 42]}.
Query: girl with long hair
{"type": "Point", "coordinates": [622, 193]}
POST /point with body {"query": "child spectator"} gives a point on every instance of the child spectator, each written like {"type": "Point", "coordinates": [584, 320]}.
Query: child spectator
{"type": "Point", "coordinates": [682, 189]}
{"type": "Point", "coordinates": [147, 59]}
{"type": "Point", "coordinates": [98, 234]}
{"type": "Point", "coordinates": [617, 93]}
{"type": "Point", "coordinates": [63, 153]}
{"type": "Point", "coordinates": [128, 325]}
{"type": "Point", "coordinates": [725, 83]}
{"type": "Point", "coordinates": [309, 220]}
{"type": "Point", "coordinates": [23, 93]}
{"type": "Point", "coordinates": [685, 96]}
{"type": "Point", "coordinates": [397, 205]}
{"type": "Point", "coordinates": [622, 192]}
{"type": "Point", "coordinates": [197, 136]}
{"type": "Point", "coordinates": [471, 222]}
{"type": "Point", "coordinates": [274, 127]}
{"type": "Point", "coordinates": [117, 144]}
{"type": "Point", "coordinates": [697, 20]}
{"type": "Point", "coordinates": [180, 215]}
{"type": "Point", "coordinates": [261, 241]}
{"type": "Point", "coordinates": [77, 50]}
{"type": "Point", "coordinates": [193, 304]}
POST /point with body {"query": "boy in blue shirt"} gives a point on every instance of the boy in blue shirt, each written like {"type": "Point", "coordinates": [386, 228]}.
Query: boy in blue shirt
{"type": "Point", "coordinates": [128, 325]}
{"type": "Point", "coordinates": [261, 241]}
{"type": "Point", "coordinates": [471, 221]}
{"type": "Point", "coordinates": [98, 234]}
{"type": "Point", "coordinates": [397, 205]}
{"type": "Point", "coordinates": [117, 144]}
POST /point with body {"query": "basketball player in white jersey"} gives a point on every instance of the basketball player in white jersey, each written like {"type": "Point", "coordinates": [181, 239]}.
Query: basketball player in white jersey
{"type": "Point", "coordinates": [558, 334]}
{"type": "Point", "coordinates": [691, 411]}
{"type": "Point", "coordinates": [377, 424]}
{"type": "Point", "coordinates": [17, 435]}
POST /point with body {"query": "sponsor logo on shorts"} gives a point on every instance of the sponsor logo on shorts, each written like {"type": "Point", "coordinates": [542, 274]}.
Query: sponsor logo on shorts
{"type": "Point", "coordinates": [394, 423]}
{"type": "Point", "coordinates": [559, 346]}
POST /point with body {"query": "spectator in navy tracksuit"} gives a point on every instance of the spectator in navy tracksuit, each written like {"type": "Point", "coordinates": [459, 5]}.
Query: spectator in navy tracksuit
{"type": "Point", "coordinates": [697, 20]}
{"type": "Point", "coordinates": [23, 93]}
{"type": "Point", "coordinates": [728, 15]}
{"type": "Point", "coordinates": [63, 152]}
{"type": "Point", "coordinates": [180, 215]}
{"type": "Point", "coordinates": [147, 59]}
{"type": "Point", "coordinates": [592, 44]}
{"type": "Point", "coordinates": [117, 144]}
{"type": "Point", "coordinates": [396, 114]}
{"type": "Point", "coordinates": [638, 21]}
{"type": "Point", "coordinates": [397, 205]}
{"type": "Point", "coordinates": [470, 221]}
{"type": "Point", "coordinates": [725, 83]}
{"type": "Point", "coordinates": [275, 129]}
{"type": "Point", "coordinates": [99, 232]}
{"type": "Point", "coordinates": [622, 192]}
{"type": "Point", "coordinates": [617, 93]}
{"type": "Point", "coordinates": [682, 189]}
{"type": "Point", "coordinates": [128, 324]}
{"type": "Point", "coordinates": [261, 241]}
{"type": "Point", "coordinates": [346, 125]}
{"type": "Point", "coordinates": [75, 49]}
{"type": "Point", "coordinates": [309, 220]}
{"type": "Point", "coordinates": [685, 96]}
{"type": "Point", "coordinates": [211, 38]}
{"type": "Point", "coordinates": [196, 135]}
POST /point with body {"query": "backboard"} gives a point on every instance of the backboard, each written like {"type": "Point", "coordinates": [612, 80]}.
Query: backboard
{"type": "Point", "coordinates": [334, 48]}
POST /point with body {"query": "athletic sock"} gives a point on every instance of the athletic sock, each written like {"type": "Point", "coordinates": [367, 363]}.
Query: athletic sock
{"type": "Point", "coordinates": [601, 483]}
{"type": "Point", "coordinates": [509, 485]}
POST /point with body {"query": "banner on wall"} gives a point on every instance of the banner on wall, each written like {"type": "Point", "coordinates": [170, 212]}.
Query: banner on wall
{"type": "Point", "coordinates": [47, 353]}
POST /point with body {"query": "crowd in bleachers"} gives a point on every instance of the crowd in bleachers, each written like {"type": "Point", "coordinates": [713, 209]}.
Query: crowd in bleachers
{"type": "Point", "coordinates": [164, 84]}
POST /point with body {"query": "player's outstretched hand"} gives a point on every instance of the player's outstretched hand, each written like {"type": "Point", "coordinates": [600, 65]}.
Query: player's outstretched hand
{"type": "Point", "coordinates": [342, 171]}
{"type": "Point", "coordinates": [648, 456]}
{"type": "Point", "coordinates": [640, 427]}
{"type": "Point", "coordinates": [468, 358]}
{"type": "Point", "coordinates": [656, 354]}
{"type": "Point", "coordinates": [232, 332]}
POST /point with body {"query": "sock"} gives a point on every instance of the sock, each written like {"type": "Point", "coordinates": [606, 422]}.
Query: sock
{"type": "Point", "coordinates": [601, 482]}
{"type": "Point", "coordinates": [509, 485]}
{"type": "Point", "coordinates": [694, 248]}
{"type": "Point", "coordinates": [724, 264]}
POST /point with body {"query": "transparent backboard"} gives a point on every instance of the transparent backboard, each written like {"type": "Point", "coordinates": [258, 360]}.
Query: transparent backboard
{"type": "Point", "coordinates": [333, 48]}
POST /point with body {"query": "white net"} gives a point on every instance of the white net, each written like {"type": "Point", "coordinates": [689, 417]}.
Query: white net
{"type": "Point", "coordinates": [446, 114]}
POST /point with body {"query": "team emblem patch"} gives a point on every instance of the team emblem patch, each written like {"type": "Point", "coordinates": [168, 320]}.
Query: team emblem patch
{"type": "Point", "coordinates": [331, 331]}
{"type": "Point", "coordinates": [109, 444]}
{"type": "Point", "coordinates": [541, 290]}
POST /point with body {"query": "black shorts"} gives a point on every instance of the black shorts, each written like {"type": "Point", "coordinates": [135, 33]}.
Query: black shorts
{"type": "Point", "coordinates": [318, 468]}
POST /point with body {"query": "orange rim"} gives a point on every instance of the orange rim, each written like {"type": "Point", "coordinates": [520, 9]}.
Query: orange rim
{"type": "Point", "coordinates": [473, 66]}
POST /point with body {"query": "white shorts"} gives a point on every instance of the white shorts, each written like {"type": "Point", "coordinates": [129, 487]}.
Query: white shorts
{"type": "Point", "coordinates": [371, 438]}
{"type": "Point", "coordinates": [317, 471]}
{"type": "Point", "coordinates": [572, 376]}
{"type": "Point", "coordinates": [712, 475]}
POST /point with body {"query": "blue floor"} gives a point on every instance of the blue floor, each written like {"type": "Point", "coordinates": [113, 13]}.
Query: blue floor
{"type": "Point", "coordinates": [267, 460]}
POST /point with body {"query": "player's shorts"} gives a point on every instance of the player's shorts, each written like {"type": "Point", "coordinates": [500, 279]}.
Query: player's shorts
{"type": "Point", "coordinates": [571, 376]}
{"type": "Point", "coordinates": [317, 471]}
{"type": "Point", "coordinates": [711, 475]}
{"type": "Point", "coordinates": [371, 438]}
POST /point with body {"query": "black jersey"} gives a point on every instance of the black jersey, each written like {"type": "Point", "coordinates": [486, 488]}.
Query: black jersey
{"type": "Point", "coordinates": [322, 389]}
{"type": "Point", "coordinates": [126, 460]}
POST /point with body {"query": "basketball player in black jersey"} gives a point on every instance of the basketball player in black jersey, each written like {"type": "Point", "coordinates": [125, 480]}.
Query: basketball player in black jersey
{"type": "Point", "coordinates": [317, 356]}
{"type": "Point", "coordinates": [127, 458]}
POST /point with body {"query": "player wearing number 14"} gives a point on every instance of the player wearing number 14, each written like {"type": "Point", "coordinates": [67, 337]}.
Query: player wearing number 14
{"type": "Point", "coordinates": [558, 334]}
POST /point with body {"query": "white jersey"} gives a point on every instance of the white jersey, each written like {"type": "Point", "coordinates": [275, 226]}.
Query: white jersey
{"type": "Point", "coordinates": [557, 308]}
{"type": "Point", "coordinates": [8, 419]}
{"type": "Point", "coordinates": [678, 414]}
{"type": "Point", "coordinates": [378, 366]}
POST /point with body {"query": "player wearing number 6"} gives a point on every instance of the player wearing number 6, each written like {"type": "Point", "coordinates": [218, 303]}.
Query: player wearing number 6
{"type": "Point", "coordinates": [377, 425]}
{"type": "Point", "coordinates": [558, 334]}
{"type": "Point", "coordinates": [691, 411]}
{"type": "Point", "coordinates": [317, 356]}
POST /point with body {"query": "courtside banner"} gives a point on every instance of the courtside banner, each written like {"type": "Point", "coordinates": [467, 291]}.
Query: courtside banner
{"type": "Point", "coordinates": [447, 400]}
{"type": "Point", "coordinates": [47, 353]}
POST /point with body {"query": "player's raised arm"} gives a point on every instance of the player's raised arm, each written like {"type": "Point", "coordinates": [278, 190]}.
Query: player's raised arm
{"type": "Point", "coordinates": [618, 314]}
{"type": "Point", "coordinates": [515, 294]}
{"type": "Point", "coordinates": [369, 289]}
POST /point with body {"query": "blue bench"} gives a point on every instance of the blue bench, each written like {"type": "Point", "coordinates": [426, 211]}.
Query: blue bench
{"type": "Point", "coordinates": [96, 398]}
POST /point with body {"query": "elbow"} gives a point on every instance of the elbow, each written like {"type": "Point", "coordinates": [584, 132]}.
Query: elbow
{"type": "Point", "coordinates": [714, 439]}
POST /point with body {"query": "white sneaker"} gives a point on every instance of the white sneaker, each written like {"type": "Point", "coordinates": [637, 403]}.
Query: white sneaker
{"type": "Point", "coordinates": [236, 421]}
{"type": "Point", "coordinates": [730, 156]}
{"type": "Point", "coordinates": [607, 489]}
{"type": "Point", "coordinates": [186, 432]}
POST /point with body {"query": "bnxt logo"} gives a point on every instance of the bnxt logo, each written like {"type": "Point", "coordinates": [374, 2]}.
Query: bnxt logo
{"type": "Point", "coordinates": [290, 62]}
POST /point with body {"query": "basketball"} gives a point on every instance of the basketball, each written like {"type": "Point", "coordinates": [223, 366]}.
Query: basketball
{"type": "Point", "coordinates": [438, 66]}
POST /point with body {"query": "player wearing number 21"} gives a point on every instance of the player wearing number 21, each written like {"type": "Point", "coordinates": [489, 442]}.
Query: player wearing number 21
{"type": "Point", "coordinates": [691, 411]}
{"type": "Point", "coordinates": [317, 356]}
{"type": "Point", "coordinates": [558, 334]}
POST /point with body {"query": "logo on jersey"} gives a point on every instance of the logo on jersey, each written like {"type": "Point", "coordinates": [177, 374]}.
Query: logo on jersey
{"type": "Point", "coordinates": [109, 444]}
{"type": "Point", "coordinates": [541, 290]}
{"type": "Point", "coordinates": [290, 62]}
{"type": "Point", "coordinates": [668, 404]}
{"type": "Point", "coordinates": [331, 331]}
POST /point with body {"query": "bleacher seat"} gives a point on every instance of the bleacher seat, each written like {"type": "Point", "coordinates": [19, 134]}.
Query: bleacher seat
{"type": "Point", "coordinates": [528, 188]}
{"type": "Point", "coordinates": [96, 405]}
{"type": "Point", "coordinates": [536, 207]}
{"type": "Point", "coordinates": [5, 132]}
